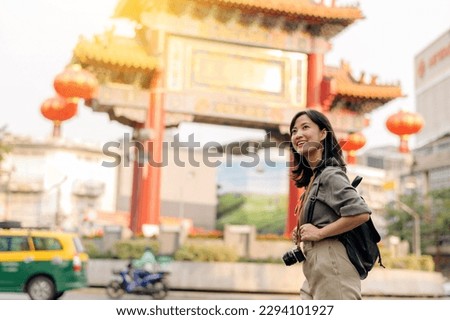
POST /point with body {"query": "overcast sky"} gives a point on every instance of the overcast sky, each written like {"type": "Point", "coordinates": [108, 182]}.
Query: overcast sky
{"type": "Point", "coordinates": [37, 38]}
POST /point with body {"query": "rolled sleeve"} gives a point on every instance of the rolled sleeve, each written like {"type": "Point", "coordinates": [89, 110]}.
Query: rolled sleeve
{"type": "Point", "coordinates": [340, 195]}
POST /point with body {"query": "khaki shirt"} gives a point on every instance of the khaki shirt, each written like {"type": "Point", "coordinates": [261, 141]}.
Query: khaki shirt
{"type": "Point", "coordinates": [336, 198]}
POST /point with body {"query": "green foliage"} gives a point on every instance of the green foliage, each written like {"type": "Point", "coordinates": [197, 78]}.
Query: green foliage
{"type": "Point", "coordinates": [134, 248]}
{"type": "Point", "coordinates": [434, 220]}
{"type": "Point", "coordinates": [266, 260]}
{"type": "Point", "coordinates": [440, 214]}
{"type": "Point", "coordinates": [409, 262]}
{"type": "Point", "coordinates": [204, 253]}
{"type": "Point", "coordinates": [266, 212]}
{"type": "Point", "coordinates": [400, 223]}
{"type": "Point", "coordinates": [228, 203]}
{"type": "Point", "coordinates": [94, 252]}
{"type": "Point", "coordinates": [4, 146]}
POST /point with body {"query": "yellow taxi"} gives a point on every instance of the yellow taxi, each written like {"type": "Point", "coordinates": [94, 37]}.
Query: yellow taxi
{"type": "Point", "coordinates": [42, 263]}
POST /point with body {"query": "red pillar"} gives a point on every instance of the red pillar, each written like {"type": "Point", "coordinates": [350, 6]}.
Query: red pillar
{"type": "Point", "coordinates": [148, 201]}
{"type": "Point", "coordinates": [135, 191]}
{"type": "Point", "coordinates": [156, 123]}
{"type": "Point", "coordinates": [313, 98]}
{"type": "Point", "coordinates": [314, 80]}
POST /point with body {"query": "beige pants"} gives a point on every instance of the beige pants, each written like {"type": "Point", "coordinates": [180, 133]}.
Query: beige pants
{"type": "Point", "coordinates": [329, 273]}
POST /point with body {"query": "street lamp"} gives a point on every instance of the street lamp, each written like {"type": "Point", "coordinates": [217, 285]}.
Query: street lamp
{"type": "Point", "coordinates": [57, 186]}
{"type": "Point", "coordinates": [416, 218]}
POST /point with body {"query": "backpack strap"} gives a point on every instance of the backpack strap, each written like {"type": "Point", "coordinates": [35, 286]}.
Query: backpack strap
{"type": "Point", "coordinates": [312, 200]}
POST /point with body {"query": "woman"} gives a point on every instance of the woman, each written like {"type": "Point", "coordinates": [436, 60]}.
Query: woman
{"type": "Point", "coordinates": [338, 208]}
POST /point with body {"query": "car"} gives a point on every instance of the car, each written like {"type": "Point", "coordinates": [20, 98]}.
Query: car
{"type": "Point", "coordinates": [42, 263]}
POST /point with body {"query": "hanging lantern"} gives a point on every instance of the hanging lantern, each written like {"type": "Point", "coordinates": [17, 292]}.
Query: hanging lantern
{"type": "Point", "coordinates": [353, 142]}
{"type": "Point", "coordinates": [403, 124]}
{"type": "Point", "coordinates": [58, 109]}
{"type": "Point", "coordinates": [74, 82]}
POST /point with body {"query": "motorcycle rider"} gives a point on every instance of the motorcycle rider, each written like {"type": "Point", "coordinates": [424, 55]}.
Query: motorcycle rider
{"type": "Point", "coordinates": [146, 262]}
{"type": "Point", "coordinates": [141, 277]}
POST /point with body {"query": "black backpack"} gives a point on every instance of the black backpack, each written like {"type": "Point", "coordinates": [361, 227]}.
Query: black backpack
{"type": "Point", "coordinates": [361, 243]}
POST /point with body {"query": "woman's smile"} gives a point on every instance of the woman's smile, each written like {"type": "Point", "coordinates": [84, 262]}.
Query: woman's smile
{"type": "Point", "coordinates": [306, 135]}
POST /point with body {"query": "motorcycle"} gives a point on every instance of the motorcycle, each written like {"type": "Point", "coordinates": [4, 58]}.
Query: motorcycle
{"type": "Point", "coordinates": [138, 281]}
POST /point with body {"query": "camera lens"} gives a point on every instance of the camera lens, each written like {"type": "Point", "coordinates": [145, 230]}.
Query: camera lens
{"type": "Point", "coordinates": [293, 256]}
{"type": "Point", "coordinates": [289, 258]}
{"type": "Point", "coordinates": [298, 255]}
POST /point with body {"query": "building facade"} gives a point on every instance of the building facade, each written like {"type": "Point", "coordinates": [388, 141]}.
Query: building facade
{"type": "Point", "coordinates": [432, 83]}
{"type": "Point", "coordinates": [55, 183]}
{"type": "Point", "coordinates": [431, 167]}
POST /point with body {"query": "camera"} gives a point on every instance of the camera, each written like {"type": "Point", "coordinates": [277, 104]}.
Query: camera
{"type": "Point", "coordinates": [293, 256]}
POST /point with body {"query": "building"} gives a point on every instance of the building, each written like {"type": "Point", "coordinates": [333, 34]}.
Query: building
{"type": "Point", "coordinates": [431, 167]}
{"type": "Point", "coordinates": [387, 158]}
{"type": "Point", "coordinates": [432, 89]}
{"type": "Point", "coordinates": [57, 183]}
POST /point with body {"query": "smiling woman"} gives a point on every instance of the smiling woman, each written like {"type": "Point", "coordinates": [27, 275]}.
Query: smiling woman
{"type": "Point", "coordinates": [337, 207]}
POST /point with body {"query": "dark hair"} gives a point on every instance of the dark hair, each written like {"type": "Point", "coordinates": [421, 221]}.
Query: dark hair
{"type": "Point", "coordinates": [301, 172]}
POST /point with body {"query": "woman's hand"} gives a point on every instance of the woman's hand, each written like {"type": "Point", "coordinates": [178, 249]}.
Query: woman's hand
{"type": "Point", "coordinates": [309, 232]}
{"type": "Point", "coordinates": [295, 236]}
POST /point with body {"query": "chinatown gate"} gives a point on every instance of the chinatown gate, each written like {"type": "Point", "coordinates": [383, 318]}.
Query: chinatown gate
{"type": "Point", "coordinates": [244, 63]}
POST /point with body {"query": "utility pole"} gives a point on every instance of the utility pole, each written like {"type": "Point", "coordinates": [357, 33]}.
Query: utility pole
{"type": "Point", "coordinates": [58, 200]}
{"type": "Point", "coordinates": [416, 217]}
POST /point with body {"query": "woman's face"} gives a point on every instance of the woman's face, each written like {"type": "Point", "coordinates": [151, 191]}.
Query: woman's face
{"type": "Point", "coordinates": [306, 137]}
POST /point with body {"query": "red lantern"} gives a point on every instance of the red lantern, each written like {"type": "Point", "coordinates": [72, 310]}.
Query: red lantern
{"type": "Point", "coordinates": [74, 82]}
{"type": "Point", "coordinates": [352, 143]}
{"type": "Point", "coordinates": [58, 109]}
{"type": "Point", "coordinates": [403, 124]}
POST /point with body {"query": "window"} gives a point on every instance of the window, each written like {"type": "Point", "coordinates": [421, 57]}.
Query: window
{"type": "Point", "coordinates": [78, 245]}
{"type": "Point", "coordinates": [375, 162]}
{"type": "Point", "coordinates": [11, 243]}
{"type": "Point", "coordinates": [46, 244]}
{"type": "Point", "coordinates": [4, 244]}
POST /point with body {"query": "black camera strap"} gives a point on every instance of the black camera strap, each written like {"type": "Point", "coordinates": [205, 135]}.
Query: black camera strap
{"type": "Point", "coordinates": [312, 200]}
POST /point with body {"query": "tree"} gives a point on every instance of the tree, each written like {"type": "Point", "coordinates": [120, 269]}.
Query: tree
{"type": "Point", "coordinates": [434, 225]}
{"type": "Point", "coordinates": [440, 215]}
{"type": "Point", "coordinates": [4, 146]}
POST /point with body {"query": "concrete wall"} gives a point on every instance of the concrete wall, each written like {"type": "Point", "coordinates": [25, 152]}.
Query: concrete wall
{"type": "Point", "coordinates": [258, 277]}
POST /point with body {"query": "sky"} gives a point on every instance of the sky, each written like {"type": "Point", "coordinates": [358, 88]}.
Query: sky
{"type": "Point", "coordinates": [37, 38]}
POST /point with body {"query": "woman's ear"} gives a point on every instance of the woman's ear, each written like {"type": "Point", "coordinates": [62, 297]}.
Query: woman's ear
{"type": "Point", "coordinates": [323, 134]}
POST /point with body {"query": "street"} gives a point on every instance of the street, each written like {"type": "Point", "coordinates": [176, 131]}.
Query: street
{"type": "Point", "coordinates": [95, 293]}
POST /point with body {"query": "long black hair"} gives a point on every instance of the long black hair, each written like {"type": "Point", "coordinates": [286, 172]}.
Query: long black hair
{"type": "Point", "coordinates": [301, 171]}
